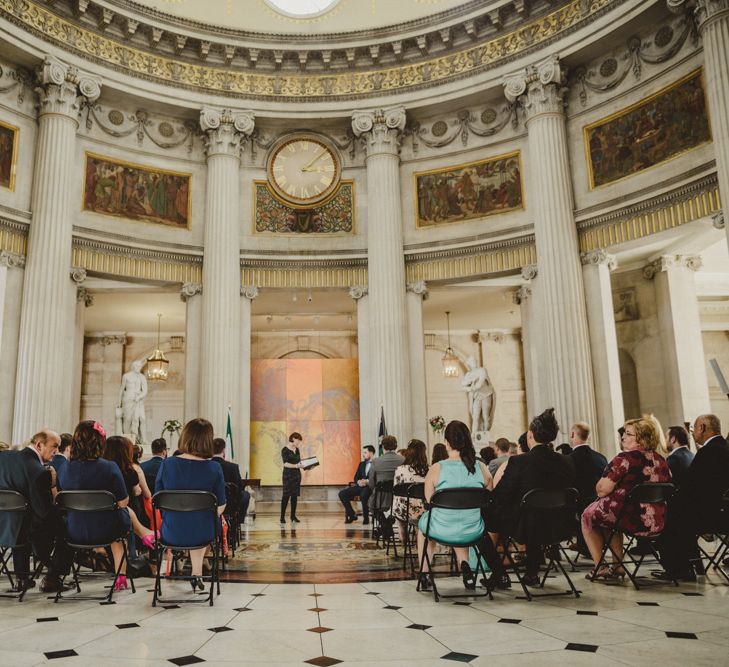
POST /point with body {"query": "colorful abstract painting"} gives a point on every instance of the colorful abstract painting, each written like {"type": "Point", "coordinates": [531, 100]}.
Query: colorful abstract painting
{"type": "Point", "coordinates": [8, 154]}
{"type": "Point", "coordinates": [136, 192]}
{"type": "Point", "coordinates": [645, 134]}
{"type": "Point", "coordinates": [468, 191]}
{"type": "Point", "coordinates": [332, 217]}
{"type": "Point", "coordinates": [319, 398]}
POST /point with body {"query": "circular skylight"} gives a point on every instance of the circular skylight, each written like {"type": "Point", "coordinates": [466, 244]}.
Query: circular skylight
{"type": "Point", "coordinates": [302, 8]}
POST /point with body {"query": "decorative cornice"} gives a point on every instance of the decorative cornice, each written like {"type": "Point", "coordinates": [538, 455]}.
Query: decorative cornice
{"type": "Point", "coordinates": [704, 11]}
{"type": "Point", "coordinates": [599, 257]}
{"type": "Point", "coordinates": [11, 259]}
{"type": "Point", "coordinates": [667, 262]}
{"type": "Point", "coordinates": [190, 290]}
{"type": "Point", "coordinates": [250, 292]}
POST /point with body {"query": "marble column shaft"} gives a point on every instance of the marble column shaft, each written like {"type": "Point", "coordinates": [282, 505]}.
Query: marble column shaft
{"type": "Point", "coordinates": [83, 301]}
{"type": "Point", "coordinates": [243, 444]}
{"type": "Point", "coordinates": [47, 312]}
{"type": "Point", "coordinates": [567, 366]}
{"type": "Point", "coordinates": [220, 356]}
{"type": "Point", "coordinates": [190, 295]}
{"type": "Point", "coordinates": [380, 131]}
{"type": "Point", "coordinates": [11, 290]}
{"type": "Point", "coordinates": [596, 269]}
{"type": "Point", "coordinates": [417, 293]}
{"type": "Point", "coordinates": [369, 414]}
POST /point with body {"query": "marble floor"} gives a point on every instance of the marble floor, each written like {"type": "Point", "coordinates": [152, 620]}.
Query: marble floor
{"type": "Point", "coordinates": [372, 623]}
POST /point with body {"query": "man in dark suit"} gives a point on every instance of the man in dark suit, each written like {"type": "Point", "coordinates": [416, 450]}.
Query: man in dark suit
{"type": "Point", "coordinates": [151, 468]}
{"type": "Point", "coordinates": [541, 468]}
{"type": "Point", "coordinates": [680, 458]}
{"type": "Point", "coordinates": [383, 470]}
{"type": "Point", "coordinates": [694, 508]}
{"type": "Point", "coordinates": [64, 452]}
{"type": "Point", "coordinates": [25, 471]}
{"type": "Point", "coordinates": [231, 475]}
{"type": "Point", "coordinates": [359, 489]}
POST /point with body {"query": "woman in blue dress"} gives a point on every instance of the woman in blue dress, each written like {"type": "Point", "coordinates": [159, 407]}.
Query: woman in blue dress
{"type": "Point", "coordinates": [193, 470]}
{"type": "Point", "coordinates": [460, 470]}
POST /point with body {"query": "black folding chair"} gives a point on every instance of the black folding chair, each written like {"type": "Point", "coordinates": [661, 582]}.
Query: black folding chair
{"type": "Point", "coordinates": [720, 529]}
{"type": "Point", "coordinates": [99, 502]}
{"type": "Point", "coordinates": [416, 491]}
{"type": "Point", "coordinates": [454, 501]}
{"type": "Point", "coordinates": [184, 502]}
{"type": "Point", "coordinates": [398, 491]}
{"type": "Point", "coordinates": [232, 515]}
{"type": "Point", "coordinates": [14, 503]}
{"type": "Point", "coordinates": [654, 493]}
{"type": "Point", "coordinates": [382, 501]}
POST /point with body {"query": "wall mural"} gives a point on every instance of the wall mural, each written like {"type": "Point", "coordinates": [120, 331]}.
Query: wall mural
{"type": "Point", "coordinates": [333, 216]}
{"type": "Point", "coordinates": [468, 191]}
{"type": "Point", "coordinates": [319, 398]}
{"type": "Point", "coordinates": [8, 154]}
{"type": "Point", "coordinates": [136, 192]}
{"type": "Point", "coordinates": [649, 132]}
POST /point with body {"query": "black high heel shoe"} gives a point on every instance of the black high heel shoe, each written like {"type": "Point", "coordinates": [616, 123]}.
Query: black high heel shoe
{"type": "Point", "coordinates": [295, 520]}
{"type": "Point", "coordinates": [197, 584]}
{"type": "Point", "coordinates": [424, 582]}
{"type": "Point", "coordinates": [469, 578]}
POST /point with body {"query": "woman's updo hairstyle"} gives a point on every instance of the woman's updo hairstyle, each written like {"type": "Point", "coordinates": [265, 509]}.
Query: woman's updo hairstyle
{"type": "Point", "coordinates": [459, 438]}
{"type": "Point", "coordinates": [544, 427]}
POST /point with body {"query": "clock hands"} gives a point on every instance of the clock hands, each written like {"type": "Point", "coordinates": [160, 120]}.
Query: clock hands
{"type": "Point", "coordinates": [307, 167]}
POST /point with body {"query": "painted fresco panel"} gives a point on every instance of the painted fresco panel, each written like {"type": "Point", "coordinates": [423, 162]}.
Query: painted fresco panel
{"type": "Point", "coordinates": [340, 389]}
{"type": "Point", "coordinates": [342, 451]}
{"type": "Point", "coordinates": [267, 439]}
{"type": "Point", "coordinates": [268, 390]}
{"type": "Point", "coordinates": [304, 389]}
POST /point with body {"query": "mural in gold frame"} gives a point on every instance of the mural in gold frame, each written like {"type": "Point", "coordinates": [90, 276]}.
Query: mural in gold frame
{"type": "Point", "coordinates": [8, 154]}
{"type": "Point", "coordinates": [137, 192]}
{"type": "Point", "coordinates": [656, 129]}
{"type": "Point", "coordinates": [468, 191]}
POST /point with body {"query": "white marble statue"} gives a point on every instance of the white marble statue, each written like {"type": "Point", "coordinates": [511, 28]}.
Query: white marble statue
{"type": "Point", "coordinates": [481, 397]}
{"type": "Point", "coordinates": [131, 402]}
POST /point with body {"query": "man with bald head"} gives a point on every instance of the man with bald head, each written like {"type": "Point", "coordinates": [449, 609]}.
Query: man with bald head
{"type": "Point", "coordinates": [694, 508]}
{"type": "Point", "coordinates": [27, 472]}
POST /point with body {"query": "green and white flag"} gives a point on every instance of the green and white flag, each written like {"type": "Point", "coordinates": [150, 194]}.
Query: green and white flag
{"type": "Point", "coordinates": [229, 440]}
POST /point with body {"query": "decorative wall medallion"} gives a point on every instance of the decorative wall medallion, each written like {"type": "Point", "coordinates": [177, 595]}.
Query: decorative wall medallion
{"type": "Point", "coordinates": [165, 129]}
{"type": "Point", "coordinates": [439, 128]}
{"type": "Point", "coordinates": [663, 36]}
{"type": "Point", "coordinates": [136, 192]}
{"type": "Point", "coordinates": [336, 215]}
{"type": "Point", "coordinates": [609, 67]}
{"type": "Point", "coordinates": [115, 117]}
{"type": "Point", "coordinates": [654, 130]}
{"type": "Point", "coordinates": [468, 191]}
{"type": "Point", "coordinates": [8, 154]}
{"type": "Point", "coordinates": [488, 116]}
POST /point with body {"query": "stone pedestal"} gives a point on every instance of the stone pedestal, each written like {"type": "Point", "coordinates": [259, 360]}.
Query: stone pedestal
{"type": "Point", "coordinates": [243, 445]}
{"type": "Point", "coordinates": [220, 357]}
{"type": "Point", "coordinates": [604, 348]}
{"type": "Point", "coordinates": [390, 373]}
{"type": "Point", "coordinates": [191, 295]}
{"type": "Point", "coordinates": [567, 377]}
{"type": "Point", "coordinates": [48, 309]}
{"type": "Point", "coordinates": [368, 413]}
{"type": "Point", "coordinates": [11, 290]}
{"type": "Point", "coordinates": [417, 293]}
{"type": "Point", "coordinates": [684, 364]}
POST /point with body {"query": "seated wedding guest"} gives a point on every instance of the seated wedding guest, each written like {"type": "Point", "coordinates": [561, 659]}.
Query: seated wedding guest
{"type": "Point", "coordinates": [589, 464]}
{"type": "Point", "coordinates": [514, 450]}
{"type": "Point", "coordinates": [151, 467]}
{"type": "Point", "coordinates": [231, 475]}
{"type": "Point", "coordinates": [137, 453]}
{"type": "Point", "coordinates": [359, 489]}
{"type": "Point", "coordinates": [88, 471]}
{"type": "Point", "coordinates": [64, 452]}
{"type": "Point", "coordinates": [413, 470]}
{"type": "Point", "coordinates": [503, 448]}
{"type": "Point", "coordinates": [695, 506]}
{"type": "Point", "coordinates": [440, 453]}
{"type": "Point", "coordinates": [680, 457]}
{"type": "Point", "coordinates": [383, 467]}
{"type": "Point", "coordinates": [540, 468]}
{"type": "Point", "coordinates": [639, 462]}
{"type": "Point", "coordinates": [24, 471]}
{"type": "Point", "coordinates": [459, 470]}
{"type": "Point", "coordinates": [487, 454]}
{"type": "Point", "coordinates": [192, 470]}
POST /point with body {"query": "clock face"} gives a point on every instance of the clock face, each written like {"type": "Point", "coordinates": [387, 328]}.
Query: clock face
{"type": "Point", "coordinates": [303, 171]}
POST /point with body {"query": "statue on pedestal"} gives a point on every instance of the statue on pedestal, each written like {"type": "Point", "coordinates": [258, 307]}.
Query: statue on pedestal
{"type": "Point", "coordinates": [481, 398]}
{"type": "Point", "coordinates": [131, 402]}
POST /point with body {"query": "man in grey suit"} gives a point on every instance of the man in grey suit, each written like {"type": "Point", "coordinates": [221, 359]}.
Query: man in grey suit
{"type": "Point", "coordinates": [383, 468]}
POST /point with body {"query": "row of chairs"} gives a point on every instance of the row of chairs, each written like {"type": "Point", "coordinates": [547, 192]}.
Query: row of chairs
{"type": "Point", "coordinates": [104, 503]}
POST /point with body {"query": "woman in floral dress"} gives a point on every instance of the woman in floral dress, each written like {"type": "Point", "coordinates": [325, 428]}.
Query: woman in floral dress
{"type": "Point", "coordinates": [413, 470]}
{"type": "Point", "coordinates": [639, 462]}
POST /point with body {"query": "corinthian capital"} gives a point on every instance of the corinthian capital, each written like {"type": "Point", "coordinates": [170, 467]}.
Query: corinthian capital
{"type": "Point", "coordinates": [356, 292]}
{"type": "Point", "coordinates": [11, 260]}
{"type": "Point", "coordinates": [598, 257]}
{"type": "Point", "coordinates": [249, 291]}
{"type": "Point", "coordinates": [420, 287]}
{"type": "Point", "coordinates": [225, 129]}
{"type": "Point", "coordinates": [380, 129]}
{"type": "Point", "coordinates": [667, 262]}
{"type": "Point", "coordinates": [705, 11]}
{"type": "Point", "coordinates": [190, 290]}
{"type": "Point", "coordinates": [62, 88]}
{"type": "Point", "coordinates": [537, 88]}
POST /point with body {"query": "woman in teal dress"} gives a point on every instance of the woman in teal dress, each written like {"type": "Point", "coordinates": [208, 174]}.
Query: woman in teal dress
{"type": "Point", "coordinates": [460, 470]}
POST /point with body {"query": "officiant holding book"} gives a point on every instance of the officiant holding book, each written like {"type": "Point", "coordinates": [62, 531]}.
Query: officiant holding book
{"type": "Point", "coordinates": [292, 466]}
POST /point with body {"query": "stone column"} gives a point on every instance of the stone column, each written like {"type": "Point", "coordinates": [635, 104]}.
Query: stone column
{"type": "Point", "coordinates": [47, 310]}
{"type": "Point", "coordinates": [368, 414]}
{"type": "Point", "coordinates": [530, 339]}
{"type": "Point", "coordinates": [190, 295]}
{"type": "Point", "coordinates": [380, 132]}
{"type": "Point", "coordinates": [596, 269]}
{"type": "Point", "coordinates": [84, 300]}
{"type": "Point", "coordinates": [224, 131]}
{"type": "Point", "coordinates": [112, 347]}
{"type": "Point", "coordinates": [567, 377]}
{"type": "Point", "coordinates": [687, 386]}
{"type": "Point", "coordinates": [243, 442]}
{"type": "Point", "coordinates": [712, 19]}
{"type": "Point", "coordinates": [417, 293]}
{"type": "Point", "coordinates": [11, 289]}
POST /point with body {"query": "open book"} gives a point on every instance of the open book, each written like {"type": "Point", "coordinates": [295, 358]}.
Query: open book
{"type": "Point", "coordinates": [311, 462]}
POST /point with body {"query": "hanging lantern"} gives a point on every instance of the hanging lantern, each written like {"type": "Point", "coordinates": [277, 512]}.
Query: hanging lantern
{"type": "Point", "coordinates": [451, 365]}
{"type": "Point", "coordinates": [157, 364]}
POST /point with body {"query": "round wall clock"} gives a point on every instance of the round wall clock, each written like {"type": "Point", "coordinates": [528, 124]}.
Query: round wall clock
{"type": "Point", "coordinates": [303, 170]}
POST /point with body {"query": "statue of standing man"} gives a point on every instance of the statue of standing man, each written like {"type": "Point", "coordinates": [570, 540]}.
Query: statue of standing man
{"type": "Point", "coordinates": [131, 402]}
{"type": "Point", "coordinates": [481, 397]}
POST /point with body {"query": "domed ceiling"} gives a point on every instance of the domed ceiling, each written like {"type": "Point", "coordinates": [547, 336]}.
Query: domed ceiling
{"type": "Point", "coordinates": [299, 16]}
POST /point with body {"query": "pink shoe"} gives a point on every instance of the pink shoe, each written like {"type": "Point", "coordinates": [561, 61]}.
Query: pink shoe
{"type": "Point", "coordinates": [121, 581]}
{"type": "Point", "coordinates": [149, 540]}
